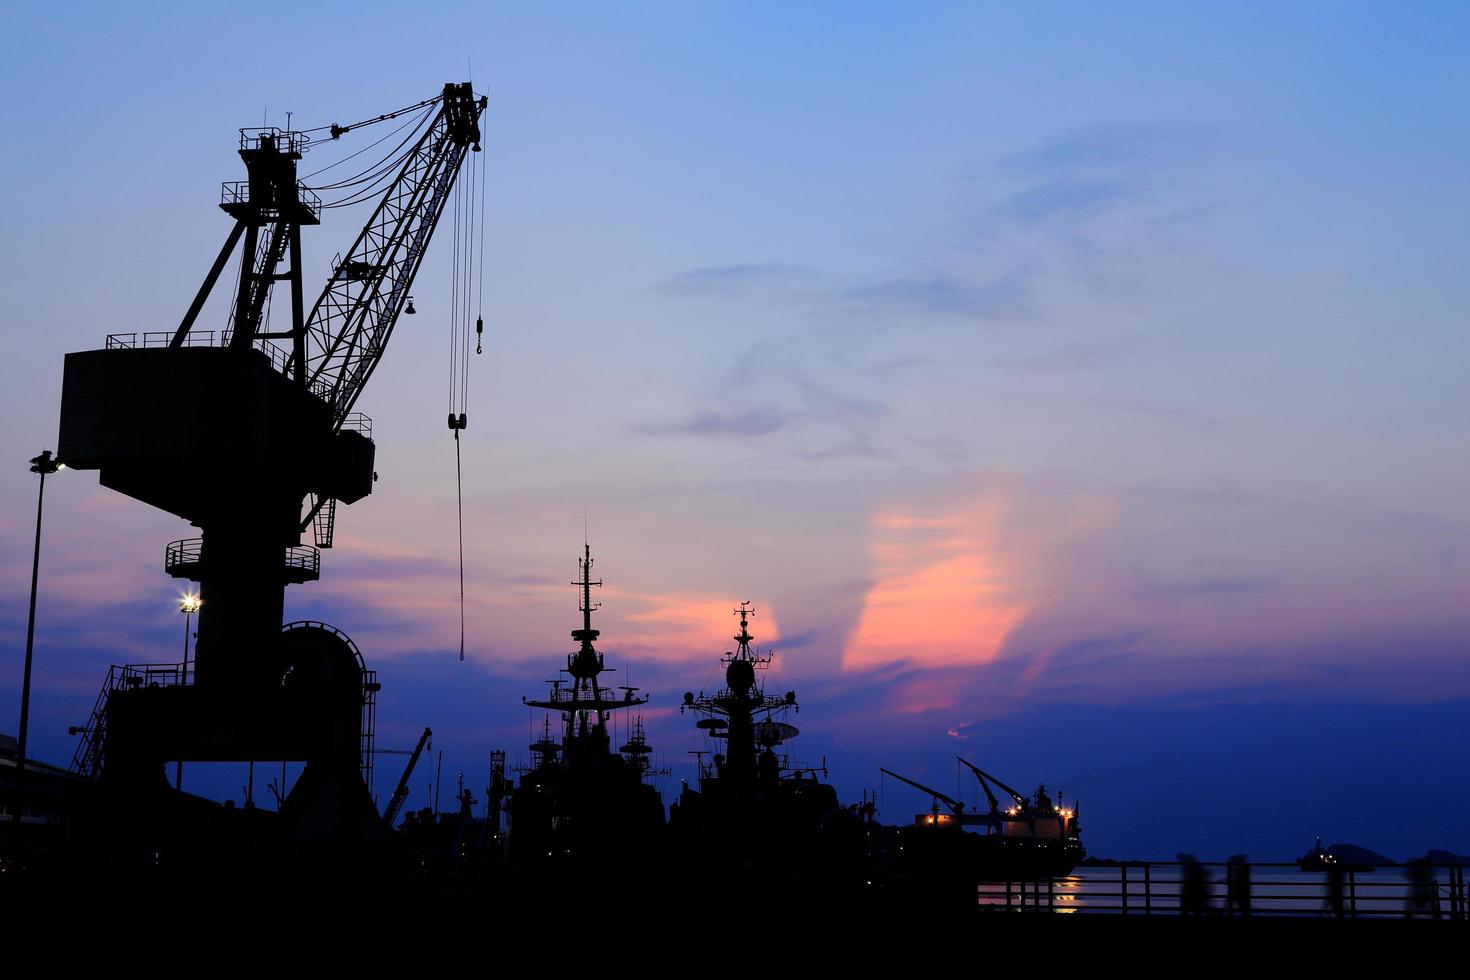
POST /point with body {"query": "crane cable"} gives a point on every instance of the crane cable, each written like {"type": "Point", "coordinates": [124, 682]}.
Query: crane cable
{"type": "Point", "coordinates": [337, 130]}
{"type": "Point", "coordinates": [415, 122]}
{"type": "Point", "coordinates": [456, 389]}
{"type": "Point", "coordinates": [459, 500]}
{"type": "Point", "coordinates": [466, 267]}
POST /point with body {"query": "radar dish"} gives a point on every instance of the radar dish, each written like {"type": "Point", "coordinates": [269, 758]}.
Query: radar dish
{"type": "Point", "coordinates": [772, 733]}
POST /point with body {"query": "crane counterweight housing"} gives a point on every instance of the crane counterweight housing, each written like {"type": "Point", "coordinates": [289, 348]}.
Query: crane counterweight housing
{"type": "Point", "coordinates": [249, 434]}
{"type": "Point", "coordinates": [230, 427]}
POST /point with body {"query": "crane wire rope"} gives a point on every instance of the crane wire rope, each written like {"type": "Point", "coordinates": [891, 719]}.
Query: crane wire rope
{"type": "Point", "coordinates": [374, 171]}
{"type": "Point", "coordinates": [375, 182]}
{"type": "Point", "coordinates": [376, 176]}
{"type": "Point", "coordinates": [339, 130]}
{"type": "Point", "coordinates": [459, 501]}
{"type": "Point", "coordinates": [455, 401]}
{"type": "Point", "coordinates": [463, 293]}
{"type": "Point", "coordinates": [415, 122]}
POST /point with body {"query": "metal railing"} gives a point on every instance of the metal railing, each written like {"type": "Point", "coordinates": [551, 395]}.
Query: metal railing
{"type": "Point", "coordinates": [177, 554]}
{"type": "Point", "coordinates": [280, 358]}
{"type": "Point", "coordinates": [304, 557]}
{"type": "Point", "coordinates": [358, 422]}
{"type": "Point", "coordinates": [568, 696]}
{"type": "Point", "coordinates": [159, 338]}
{"type": "Point", "coordinates": [1419, 890]}
{"type": "Point", "coordinates": [181, 559]}
{"type": "Point", "coordinates": [285, 140]}
{"type": "Point", "coordinates": [233, 192]}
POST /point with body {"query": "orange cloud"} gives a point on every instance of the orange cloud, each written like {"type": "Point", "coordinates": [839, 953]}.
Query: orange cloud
{"type": "Point", "coordinates": [686, 627]}
{"type": "Point", "coordinates": [944, 594]}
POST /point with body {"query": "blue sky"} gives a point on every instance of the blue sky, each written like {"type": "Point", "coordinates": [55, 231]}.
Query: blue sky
{"type": "Point", "coordinates": [1094, 362]}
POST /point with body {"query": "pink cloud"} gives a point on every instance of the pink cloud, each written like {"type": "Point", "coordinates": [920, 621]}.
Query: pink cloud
{"type": "Point", "coordinates": [945, 592]}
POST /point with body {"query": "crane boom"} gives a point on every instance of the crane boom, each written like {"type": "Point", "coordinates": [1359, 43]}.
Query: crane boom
{"type": "Point", "coordinates": [953, 804]}
{"type": "Point", "coordinates": [982, 775]}
{"type": "Point", "coordinates": [400, 793]}
{"type": "Point", "coordinates": [984, 785]}
{"type": "Point", "coordinates": [350, 324]}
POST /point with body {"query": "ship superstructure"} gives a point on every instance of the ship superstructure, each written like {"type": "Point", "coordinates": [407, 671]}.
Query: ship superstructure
{"type": "Point", "coordinates": [752, 808]}
{"type": "Point", "coordinates": [580, 802]}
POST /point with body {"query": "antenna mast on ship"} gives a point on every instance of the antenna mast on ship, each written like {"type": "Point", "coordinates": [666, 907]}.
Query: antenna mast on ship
{"type": "Point", "coordinates": [585, 696]}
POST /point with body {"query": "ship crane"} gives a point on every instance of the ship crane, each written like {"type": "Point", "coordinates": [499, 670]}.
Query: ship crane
{"type": "Point", "coordinates": [985, 786]}
{"type": "Point", "coordinates": [249, 434]}
{"type": "Point", "coordinates": [986, 778]}
{"type": "Point", "coordinates": [955, 806]}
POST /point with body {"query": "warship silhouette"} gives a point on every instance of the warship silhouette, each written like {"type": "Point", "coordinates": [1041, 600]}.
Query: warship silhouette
{"type": "Point", "coordinates": [752, 813]}
{"type": "Point", "coordinates": [580, 805]}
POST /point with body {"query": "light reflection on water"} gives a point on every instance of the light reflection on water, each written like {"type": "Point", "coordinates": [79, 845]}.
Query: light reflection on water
{"type": "Point", "coordinates": [1274, 890]}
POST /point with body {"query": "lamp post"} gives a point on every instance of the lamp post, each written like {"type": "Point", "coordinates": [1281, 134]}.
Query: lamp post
{"type": "Point", "coordinates": [188, 605]}
{"type": "Point", "coordinates": [43, 464]}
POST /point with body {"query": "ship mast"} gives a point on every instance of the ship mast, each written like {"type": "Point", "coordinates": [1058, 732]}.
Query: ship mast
{"type": "Point", "coordinates": [742, 715]}
{"type": "Point", "coordinates": [586, 705]}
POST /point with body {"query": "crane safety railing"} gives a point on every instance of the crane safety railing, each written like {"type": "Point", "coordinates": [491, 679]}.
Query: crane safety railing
{"type": "Point", "coordinates": [183, 558]}
{"type": "Point", "coordinates": [238, 192]}
{"type": "Point", "coordinates": [179, 554]}
{"type": "Point", "coordinates": [1418, 890]}
{"type": "Point", "coordinates": [358, 422]}
{"type": "Point", "coordinates": [286, 140]}
{"type": "Point", "coordinates": [304, 557]}
{"type": "Point", "coordinates": [280, 359]}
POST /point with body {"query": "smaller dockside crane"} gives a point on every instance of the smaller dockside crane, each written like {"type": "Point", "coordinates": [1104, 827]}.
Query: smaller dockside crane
{"type": "Point", "coordinates": [400, 793]}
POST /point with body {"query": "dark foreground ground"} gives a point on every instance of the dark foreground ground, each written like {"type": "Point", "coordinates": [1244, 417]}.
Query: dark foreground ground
{"type": "Point", "coordinates": [575, 926]}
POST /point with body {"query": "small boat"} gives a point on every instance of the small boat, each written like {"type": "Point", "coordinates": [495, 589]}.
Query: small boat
{"type": "Point", "coordinates": [1339, 857]}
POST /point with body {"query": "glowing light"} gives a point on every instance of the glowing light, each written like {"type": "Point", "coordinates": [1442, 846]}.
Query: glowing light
{"type": "Point", "coordinates": [189, 603]}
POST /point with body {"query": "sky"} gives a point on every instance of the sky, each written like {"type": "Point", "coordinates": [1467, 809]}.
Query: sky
{"type": "Point", "coordinates": [1076, 388]}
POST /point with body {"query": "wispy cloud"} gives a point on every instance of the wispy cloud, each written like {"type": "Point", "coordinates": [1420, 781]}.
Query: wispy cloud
{"type": "Point", "coordinates": [740, 278]}
{"type": "Point", "coordinates": [811, 405]}
{"type": "Point", "coordinates": [1064, 197]}
{"type": "Point", "coordinates": [1151, 589]}
{"type": "Point", "coordinates": [1007, 297]}
{"type": "Point", "coordinates": [752, 422]}
{"type": "Point", "coordinates": [1111, 147]}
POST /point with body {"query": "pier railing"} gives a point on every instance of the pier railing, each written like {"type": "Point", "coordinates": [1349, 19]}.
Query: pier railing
{"type": "Point", "coordinates": [1419, 890]}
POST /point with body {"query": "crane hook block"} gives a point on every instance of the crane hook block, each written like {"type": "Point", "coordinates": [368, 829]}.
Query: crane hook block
{"type": "Point", "coordinates": [462, 421]}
